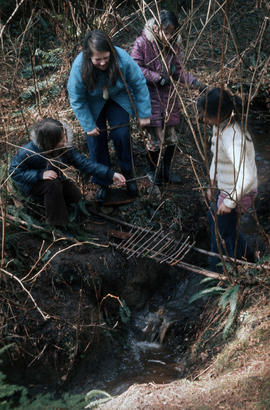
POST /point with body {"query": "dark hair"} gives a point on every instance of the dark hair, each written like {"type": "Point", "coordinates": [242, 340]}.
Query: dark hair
{"type": "Point", "coordinates": [49, 133]}
{"type": "Point", "coordinates": [96, 40]}
{"type": "Point", "coordinates": [220, 102]}
{"type": "Point", "coordinates": [168, 18]}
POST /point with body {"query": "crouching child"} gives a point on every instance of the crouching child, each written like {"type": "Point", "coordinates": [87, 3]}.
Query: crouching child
{"type": "Point", "coordinates": [38, 167]}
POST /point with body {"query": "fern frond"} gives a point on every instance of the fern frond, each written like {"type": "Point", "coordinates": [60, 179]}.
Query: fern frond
{"type": "Point", "coordinates": [208, 280]}
{"type": "Point", "coordinates": [229, 295]}
{"type": "Point", "coordinates": [94, 393]}
{"type": "Point", "coordinates": [124, 312]}
{"type": "Point", "coordinates": [214, 291]}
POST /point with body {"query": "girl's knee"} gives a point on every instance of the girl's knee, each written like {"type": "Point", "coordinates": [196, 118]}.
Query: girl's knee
{"type": "Point", "coordinates": [54, 185]}
{"type": "Point", "coordinates": [121, 134]}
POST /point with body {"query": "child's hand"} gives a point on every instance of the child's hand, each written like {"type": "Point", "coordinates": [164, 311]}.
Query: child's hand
{"type": "Point", "coordinates": [209, 194]}
{"type": "Point", "coordinates": [119, 179]}
{"type": "Point", "coordinates": [143, 122]}
{"type": "Point", "coordinates": [164, 81]}
{"type": "Point", "coordinates": [223, 209]}
{"type": "Point", "coordinates": [94, 132]}
{"type": "Point", "coordinates": [49, 175]}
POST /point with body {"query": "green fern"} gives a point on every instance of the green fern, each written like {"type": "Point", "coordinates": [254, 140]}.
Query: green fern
{"type": "Point", "coordinates": [15, 397]}
{"type": "Point", "coordinates": [209, 291]}
{"type": "Point", "coordinates": [93, 394]}
{"type": "Point", "coordinates": [28, 71]}
{"type": "Point", "coordinates": [46, 60]}
{"type": "Point", "coordinates": [227, 296]}
{"type": "Point", "coordinates": [124, 312]}
{"type": "Point", "coordinates": [8, 391]}
{"type": "Point", "coordinates": [48, 89]}
{"type": "Point", "coordinates": [40, 86]}
{"type": "Point", "coordinates": [230, 296]}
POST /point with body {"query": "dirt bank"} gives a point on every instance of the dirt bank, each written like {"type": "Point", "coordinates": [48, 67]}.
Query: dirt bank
{"type": "Point", "coordinates": [236, 378]}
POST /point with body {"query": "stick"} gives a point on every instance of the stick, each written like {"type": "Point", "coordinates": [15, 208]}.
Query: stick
{"type": "Point", "coordinates": [136, 179]}
{"type": "Point", "coordinates": [45, 317]}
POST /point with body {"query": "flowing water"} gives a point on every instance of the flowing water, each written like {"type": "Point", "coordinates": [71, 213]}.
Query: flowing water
{"type": "Point", "coordinates": [146, 358]}
{"type": "Point", "coordinates": [154, 345]}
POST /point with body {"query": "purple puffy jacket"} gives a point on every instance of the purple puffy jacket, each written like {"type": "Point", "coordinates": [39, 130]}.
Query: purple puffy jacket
{"type": "Point", "coordinates": [164, 100]}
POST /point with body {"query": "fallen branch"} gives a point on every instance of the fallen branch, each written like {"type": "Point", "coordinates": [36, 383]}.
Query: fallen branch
{"type": "Point", "coordinates": [24, 225]}
{"type": "Point", "coordinates": [45, 316]}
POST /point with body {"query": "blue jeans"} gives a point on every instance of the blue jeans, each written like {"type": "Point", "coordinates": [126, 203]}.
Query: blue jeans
{"type": "Point", "coordinates": [229, 233]}
{"type": "Point", "coordinates": [98, 145]}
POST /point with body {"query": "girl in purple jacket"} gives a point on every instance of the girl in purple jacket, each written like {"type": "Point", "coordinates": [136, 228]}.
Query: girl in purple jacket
{"type": "Point", "coordinates": [157, 52]}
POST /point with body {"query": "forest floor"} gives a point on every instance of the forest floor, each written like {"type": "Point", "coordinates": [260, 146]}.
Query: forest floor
{"type": "Point", "coordinates": [70, 278]}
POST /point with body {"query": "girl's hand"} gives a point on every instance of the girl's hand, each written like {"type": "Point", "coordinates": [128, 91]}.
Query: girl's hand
{"type": "Point", "coordinates": [49, 174]}
{"type": "Point", "coordinates": [119, 179]}
{"type": "Point", "coordinates": [143, 122]}
{"type": "Point", "coordinates": [223, 209]}
{"type": "Point", "coordinates": [94, 132]}
{"type": "Point", "coordinates": [209, 194]}
{"type": "Point", "coordinates": [211, 191]}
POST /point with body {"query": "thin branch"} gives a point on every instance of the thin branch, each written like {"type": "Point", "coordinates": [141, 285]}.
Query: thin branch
{"type": "Point", "coordinates": [45, 316]}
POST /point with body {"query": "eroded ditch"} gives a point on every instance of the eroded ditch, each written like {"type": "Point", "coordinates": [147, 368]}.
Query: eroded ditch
{"type": "Point", "coordinates": [90, 341]}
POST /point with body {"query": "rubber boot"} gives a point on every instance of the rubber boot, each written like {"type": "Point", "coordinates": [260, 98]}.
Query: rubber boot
{"type": "Point", "coordinates": [168, 176]}
{"type": "Point", "coordinates": [102, 193]}
{"type": "Point", "coordinates": [131, 185]}
{"type": "Point", "coordinates": [152, 160]}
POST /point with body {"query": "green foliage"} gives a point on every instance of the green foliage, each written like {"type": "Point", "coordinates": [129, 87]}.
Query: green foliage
{"type": "Point", "coordinates": [15, 397]}
{"type": "Point", "coordinates": [43, 90]}
{"type": "Point", "coordinates": [49, 86]}
{"type": "Point", "coordinates": [45, 61]}
{"type": "Point", "coordinates": [124, 312]}
{"type": "Point", "coordinates": [214, 290]}
{"type": "Point", "coordinates": [8, 391]}
{"type": "Point", "coordinates": [228, 296]}
{"type": "Point", "coordinates": [94, 394]}
{"type": "Point", "coordinates": [78, 210]}
{"type": "Point", "coordinates": [28, 71]}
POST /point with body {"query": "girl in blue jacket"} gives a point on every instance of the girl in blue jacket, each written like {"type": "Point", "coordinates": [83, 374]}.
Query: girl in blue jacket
{"type": "Point", "coordinates": [97, 87]}
{"type": "Point", "coordinates": [38, 169]}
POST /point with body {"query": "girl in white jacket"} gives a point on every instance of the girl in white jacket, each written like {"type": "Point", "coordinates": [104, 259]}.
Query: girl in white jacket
{"type": "Point", "coordinates": [233, 170]}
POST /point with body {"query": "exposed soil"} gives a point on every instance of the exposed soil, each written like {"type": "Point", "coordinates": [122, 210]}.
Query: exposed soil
{"type": "Point", "coordinates": [82, 289]}
{"type": "Point", "coordinates": [91, 292]}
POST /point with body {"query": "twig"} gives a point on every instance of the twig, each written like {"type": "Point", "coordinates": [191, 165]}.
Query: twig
{"type": "Point", "coordinates": [45, 316]}
{"type": "Point", "coordinates": [8, 20]}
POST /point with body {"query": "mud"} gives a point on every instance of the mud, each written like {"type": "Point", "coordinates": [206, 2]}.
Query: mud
{"type": "Point", "coordinates": [112, 321]}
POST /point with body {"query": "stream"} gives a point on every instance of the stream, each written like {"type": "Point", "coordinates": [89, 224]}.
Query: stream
{"type": "Point", "coordinates": [155, 341]}
{"type": "Point", "coordinates": [154, 349]}
{"type": "Point", "coordinates": [154, 345]}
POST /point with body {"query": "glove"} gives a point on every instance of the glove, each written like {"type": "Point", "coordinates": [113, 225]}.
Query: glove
{"type": "Point", "coordinates": [164, 81]}
{"type": "Point", "coordinates": [200, 86]}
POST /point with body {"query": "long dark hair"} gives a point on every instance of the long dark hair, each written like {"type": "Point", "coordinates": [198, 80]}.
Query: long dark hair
{"type": "Point", "coordinates": [168, 18]}
{"type": "Point", "coordinates": [220, 102]}
{"type": "Point", "coordinates": [96, 40]}
{"type": "Point", "coordinates": [49, 133]}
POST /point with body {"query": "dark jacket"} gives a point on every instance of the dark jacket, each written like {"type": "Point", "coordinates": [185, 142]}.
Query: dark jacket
{"type": "Point", "coordinates": [28, 166]}
{"type": "Point", "coordinates": [147, 55]}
